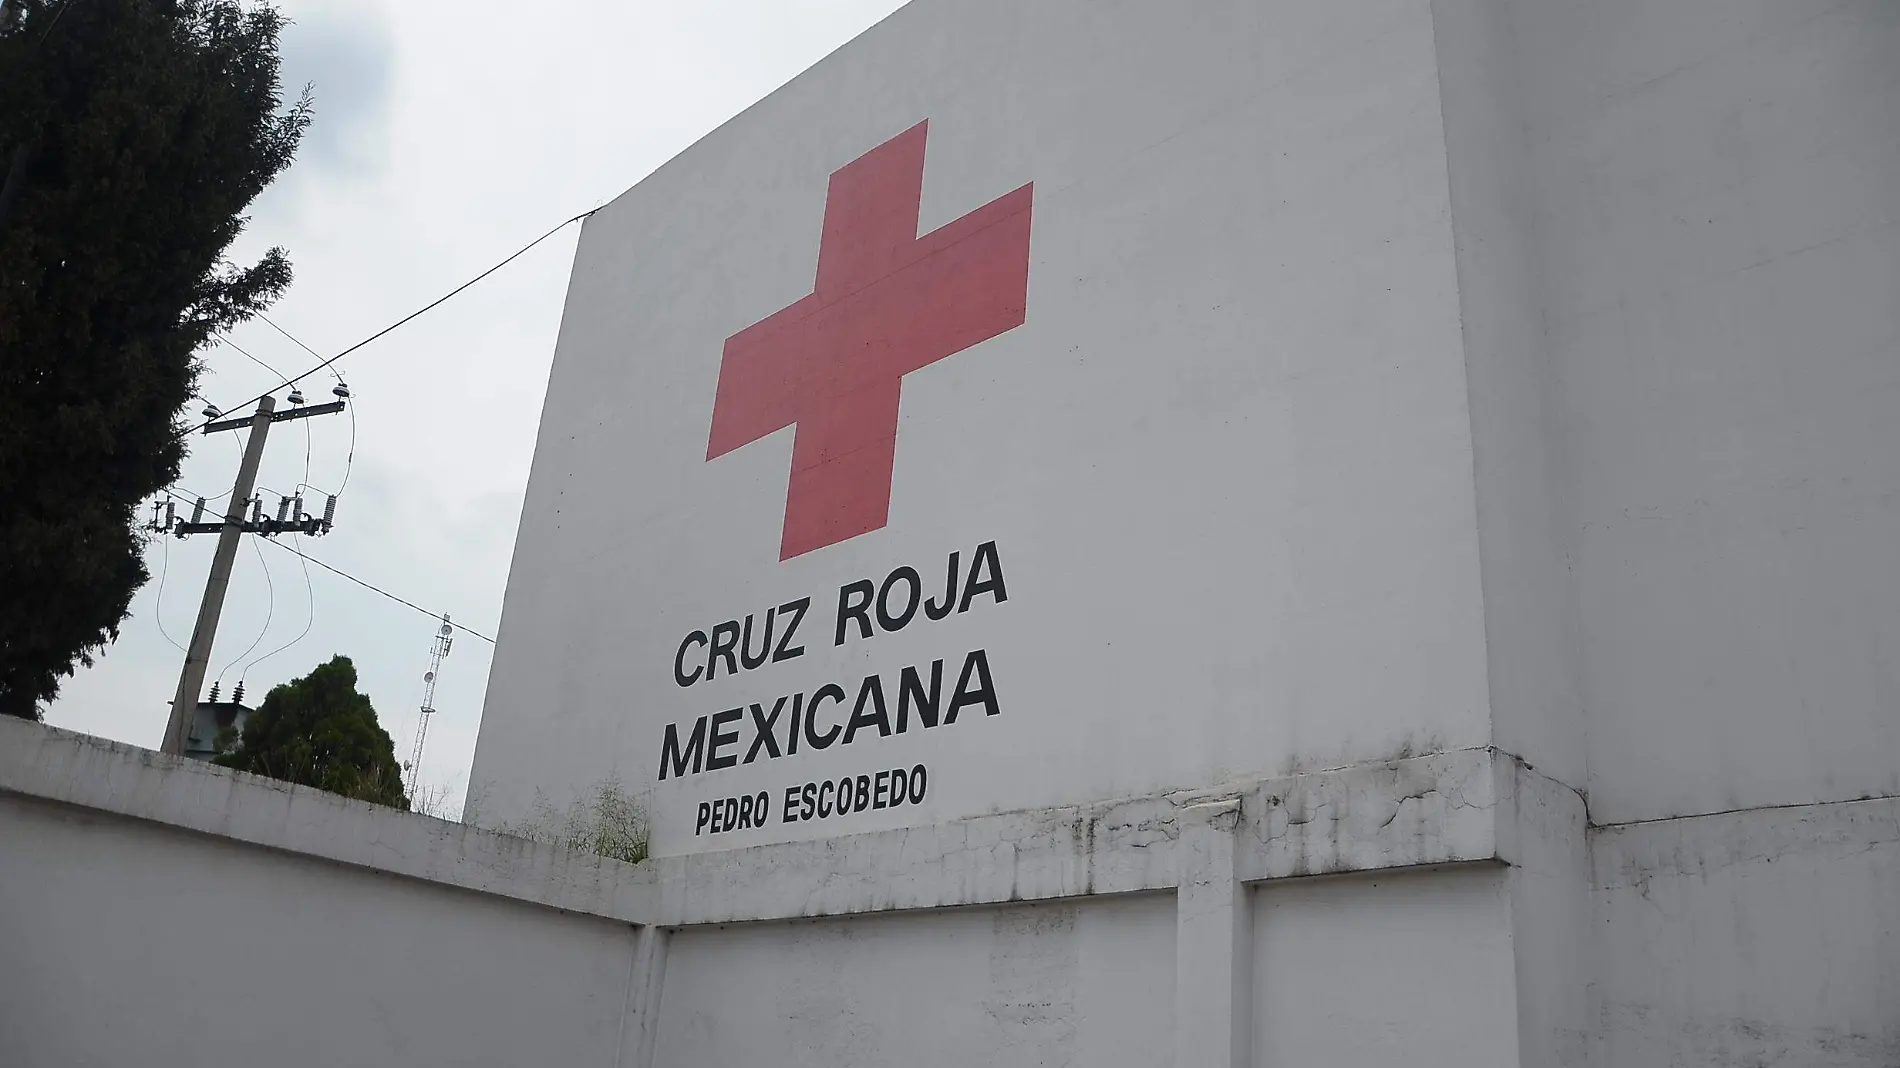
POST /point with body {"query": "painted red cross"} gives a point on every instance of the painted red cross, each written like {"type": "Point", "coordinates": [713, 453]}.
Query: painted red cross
{"type": "Point", "coordinates": [886, 303]}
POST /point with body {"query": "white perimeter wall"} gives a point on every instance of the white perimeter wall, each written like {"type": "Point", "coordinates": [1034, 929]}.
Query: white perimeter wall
{"type": "Point", "coordinates": [162, 912]}
{"type": "Point", "coordinates": [200, 952]}
{"type": "Point", "coordinates": [1768, 937]}
{"type": "Point", "coordinates": [1013, 987]}
{"type": "Point", "coordinates": [190, 917]}
{"type": "Point", "coordinates": [167, 913]}
{"type": "Point", "coordinates": [1401, 968]}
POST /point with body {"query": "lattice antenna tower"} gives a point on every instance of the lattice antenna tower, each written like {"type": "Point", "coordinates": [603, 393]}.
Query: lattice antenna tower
{"type": "Point", "coordinates": [438, 651]}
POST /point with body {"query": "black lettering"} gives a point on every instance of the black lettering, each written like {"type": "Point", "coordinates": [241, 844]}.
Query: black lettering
{"type": "Point", "coordinates": [977, 664]}
{"type": "Point", "coordinates": [679, 659]}
{"type": "Point", "coordinates": [791, 736]}
{"type": "Point", "coordinates": [992, 585]}
{"type": "Point", "coordinates": [797, 609]}
{"type": "Point", "coordinates": [705, 814]}
{"type": "Point", "coordinates": [899, 783]}
{"type": "Point", "coordinates": [864, 793]}
{"type": "Point", "coordinates": [791, 799]}
{"type": "Point", "coordinates": [824, 799]}
{"type": "Point", "coordinates": [860, 611]}
{"type": "Point", "coordinates": [909, 687]}
{"type": "Point", "coordinates": [917, 777]}
{"type": "Point", "coordinates": [765, 643]}
{"type": "Point", "coordinates": [716, 762]}
{"type": "Point", "coordinates": [881, 790]}
{"type": "Point", "coordinates": [670, 755]}
{"type": "Point", "coordinates": [762, 736]}
{"type": "Point", "coordinates": [724, 647]}
{"type": "Point", "coordinates": [812, 737]}
{"type": "Point", "coordinates": [889, 620]}
{"type": "Point", "coordinates": [807, 801]}
{"type": "Point", "coordinates": [761, 809]}
{"type": "Point", "coordinates": [847, 796]}
{"type": "Point", "coordinates": [871, 693]}
{"type": "Point", "coordinates": [745, 812]}
{"type": "Point", "coordinates": [938, 611]}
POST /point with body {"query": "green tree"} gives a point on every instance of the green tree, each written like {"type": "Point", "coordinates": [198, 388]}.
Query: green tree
{"type": "Point", "coordinates": [133, 134]}
{"type": "Point", "coordinates": [318, 731]}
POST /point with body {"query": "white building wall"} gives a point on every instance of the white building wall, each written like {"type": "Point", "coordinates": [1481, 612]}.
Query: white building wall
{"type": "Point", "coordinates": [1716, 219]}
{"type": "Point", "coordinates": [1697, 202]}
{"type": "Point", "coordinates": [1226, 458]}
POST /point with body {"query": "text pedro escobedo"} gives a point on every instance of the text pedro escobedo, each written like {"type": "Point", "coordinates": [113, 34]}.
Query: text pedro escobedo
{"type": "Point", "coordinates": [832, 714]}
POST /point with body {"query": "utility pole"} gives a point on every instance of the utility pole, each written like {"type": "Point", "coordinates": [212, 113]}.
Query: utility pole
{"type": "Point", "coordinates": [230, 531]}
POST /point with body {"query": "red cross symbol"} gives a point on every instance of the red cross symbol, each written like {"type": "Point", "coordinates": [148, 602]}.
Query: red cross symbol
{"type": "Point", "coordinates": [886, 303]}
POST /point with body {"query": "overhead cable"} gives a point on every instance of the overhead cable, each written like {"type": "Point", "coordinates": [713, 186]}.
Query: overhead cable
{"type": "Point", "coordinates": [377, 589]}
{"type": "Point", "coordinates": [431, 306]}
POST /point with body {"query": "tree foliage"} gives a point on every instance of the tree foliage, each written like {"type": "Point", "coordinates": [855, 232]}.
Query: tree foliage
{"type": "Point", "coordinates": [133, 134]}
{"type": "Point", "coordinates": [319, 731]}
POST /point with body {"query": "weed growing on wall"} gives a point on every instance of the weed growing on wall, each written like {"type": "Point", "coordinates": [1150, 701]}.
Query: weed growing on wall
{"type": "Point", "coordinates": [605, 820]}
{"type": "Point", "coordinates": [435, 801]}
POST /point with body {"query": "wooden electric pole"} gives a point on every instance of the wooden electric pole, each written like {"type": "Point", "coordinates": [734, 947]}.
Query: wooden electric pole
{"type": "Point", "coordinates": [230, 532]}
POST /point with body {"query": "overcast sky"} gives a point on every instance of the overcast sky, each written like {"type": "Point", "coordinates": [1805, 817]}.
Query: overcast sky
{"type": "Point", "coordinates": [447, 135]}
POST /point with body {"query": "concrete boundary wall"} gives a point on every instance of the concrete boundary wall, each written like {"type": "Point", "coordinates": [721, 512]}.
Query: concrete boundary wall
{"type": "Point", "coordinates": [1207, 847]}
{"type": "Point", "coordinates": [163, 912]}
{"type": "Point", "coordinates": [1764, 936]}
{"type": "Point", "coordinates": [123, 780]}
{"type": "Point", "coordinates": [130, 881]}
{"type": "Point", "coordinates": [1437, 809]}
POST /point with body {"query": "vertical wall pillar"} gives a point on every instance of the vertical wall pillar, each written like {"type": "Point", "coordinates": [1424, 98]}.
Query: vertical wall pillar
{"type": "Point", "coordinates": [646, 974]}
{"type": "Point", "coordinates": [1213, 991]}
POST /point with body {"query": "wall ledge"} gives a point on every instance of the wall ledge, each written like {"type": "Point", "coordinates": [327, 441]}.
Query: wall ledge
{"type": "Point", "coordinates": [1442, 808]}
{"type": "Point", "coordinates": [48, 764]}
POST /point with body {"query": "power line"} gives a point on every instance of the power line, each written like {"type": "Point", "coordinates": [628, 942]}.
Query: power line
{"type": "Point", "coordinates": [431, 306]}
{"type": "Point", "coordinates": [158, 607]}
{"type": "Point", "coordinates": [342, 574]}
{"type": "Point", "coordinates": [350, 459]}
{"type": "Point", "coordinates": [270, 612]}
{"type": "Point", "coordinates": [189, 493]}
{"type": "Point", "coordinates": [296, 341]}
{"type": "Point", "coordinates": [377, 589]}
{"type": "Point", "coordinates": [246, 354]}
{"type": "Point", "coordinates": [310, 620]}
